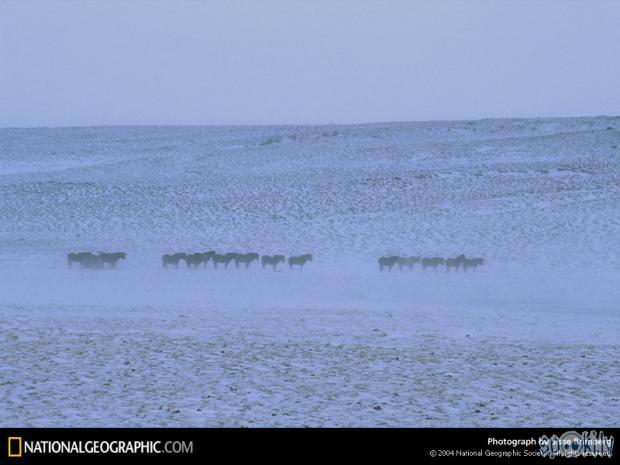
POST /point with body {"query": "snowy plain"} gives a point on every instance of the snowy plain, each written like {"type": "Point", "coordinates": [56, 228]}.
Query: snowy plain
{"type": "Point", "coordinates": [530, 339]}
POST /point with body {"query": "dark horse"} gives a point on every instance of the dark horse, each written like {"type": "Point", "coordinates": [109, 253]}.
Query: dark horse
{"type": "Point", "coordinates": [112, 258]}
{"type": "Point", "coordinates": [194, 260]}
{"type": "Point", "coordinates": [300, 260]}
{"type": "Point", "coordinates": [225, 259]}
{"type": "Point", "coordinates": [455, 262]}
{"type": "Point", "coordinates": [408, 262]}
{"type": "Point", "coordinates": [432, 262]}
{"type": "Point", "coordinates": [272, 260]}
{"type": "Point", "coordinates": [206, 256]}
{"type": "Point", "coordinates": [388, 262]}
{"type": "Point", "coordinates": [93, 262]}
{"type": "Point", "coordinates": [245, 258]}
{"type": "Point", "coordinates": [76, 257]}
{"type": "Point", "coordinates": [472, 263]}
{"type": "Point", "coordinates": [173, 259]}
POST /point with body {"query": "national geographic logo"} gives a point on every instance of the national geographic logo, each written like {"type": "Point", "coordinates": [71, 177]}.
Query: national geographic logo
{"type": "Point", "coordinates": [15, 447]}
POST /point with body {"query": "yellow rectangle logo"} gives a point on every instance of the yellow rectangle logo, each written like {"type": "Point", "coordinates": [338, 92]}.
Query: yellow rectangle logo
{"type": "Point", "coordinates": [15, 446]}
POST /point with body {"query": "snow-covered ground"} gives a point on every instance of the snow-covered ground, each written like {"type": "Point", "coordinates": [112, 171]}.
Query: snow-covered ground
{"type": "Point", "coordinates": [530, 339]}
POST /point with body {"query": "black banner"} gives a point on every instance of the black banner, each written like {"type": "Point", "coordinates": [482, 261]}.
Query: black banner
{"type": "Point", "coordinates": [20, 446]}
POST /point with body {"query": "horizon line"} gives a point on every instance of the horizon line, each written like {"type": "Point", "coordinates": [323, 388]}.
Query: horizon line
{"type": "Point", "coordinates": [366, 123]}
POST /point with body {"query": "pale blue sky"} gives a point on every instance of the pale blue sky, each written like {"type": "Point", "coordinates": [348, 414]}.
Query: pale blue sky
{"type": "Point", "coordinates": [78, 63]}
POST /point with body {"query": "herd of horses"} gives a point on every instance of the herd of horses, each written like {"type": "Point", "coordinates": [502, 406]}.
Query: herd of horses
{"type": "Point", "coordinates": [95, 261]}
{"type": "Point", "coordinates": [430, 262]}
{"type": "Point", "coordinates": [195, 260]}
{"type": "Point", "coordinates": [192, 260]}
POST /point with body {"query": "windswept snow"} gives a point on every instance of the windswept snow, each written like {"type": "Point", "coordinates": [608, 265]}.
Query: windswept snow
{"type": "Point", "coordinates": [529, 339]}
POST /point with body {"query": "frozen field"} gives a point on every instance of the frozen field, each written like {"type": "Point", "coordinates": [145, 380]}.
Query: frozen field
{"type": "Point", "coordinates": [530, 339]}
